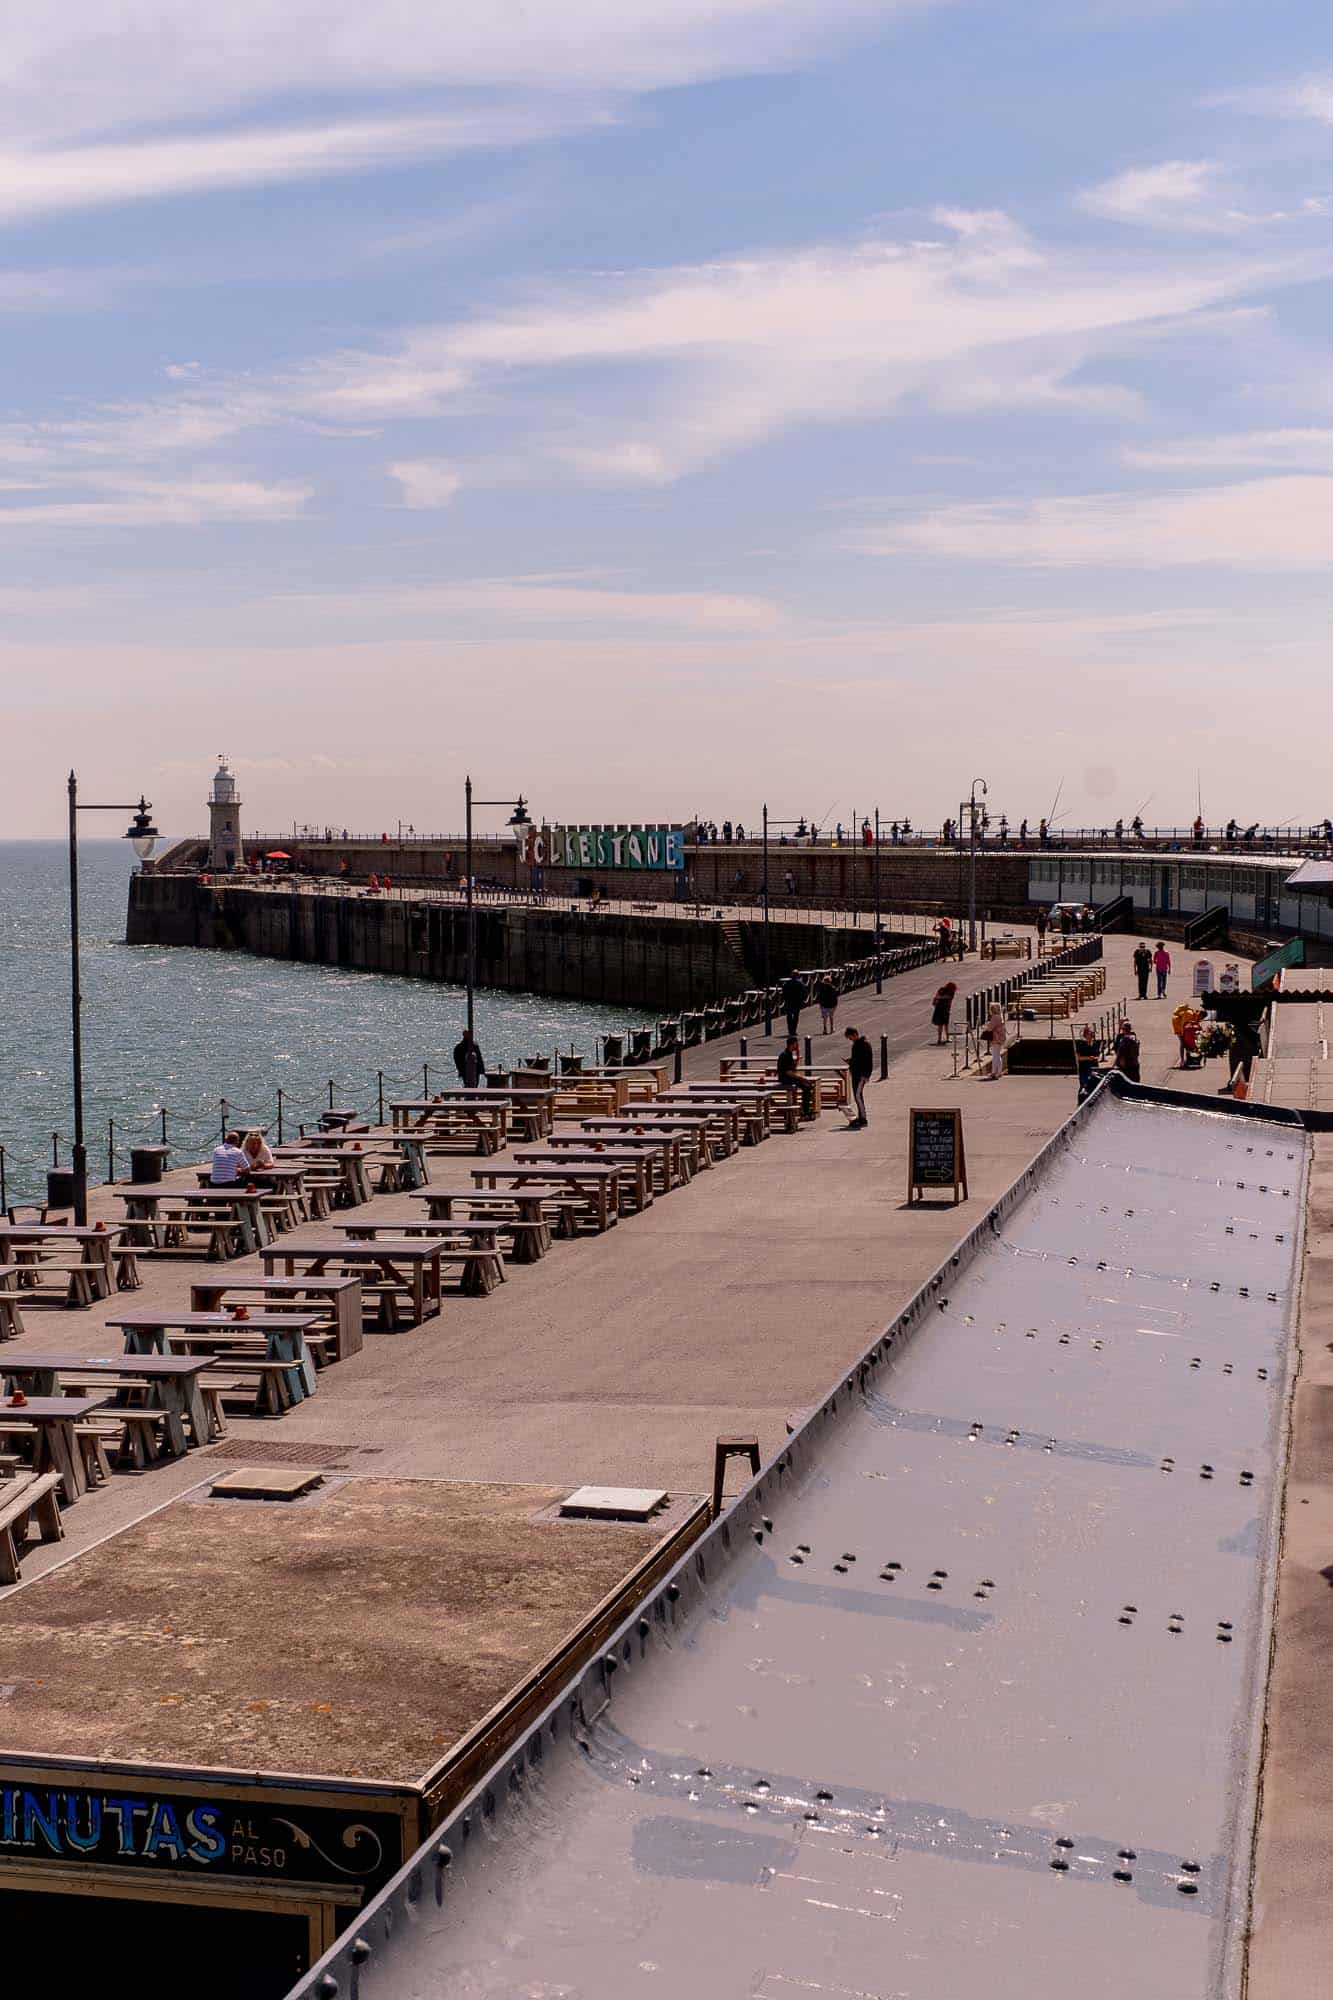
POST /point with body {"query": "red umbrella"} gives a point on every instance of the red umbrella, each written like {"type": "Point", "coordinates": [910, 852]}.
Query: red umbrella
{"type": "Point", "coordinates": [277, 854]}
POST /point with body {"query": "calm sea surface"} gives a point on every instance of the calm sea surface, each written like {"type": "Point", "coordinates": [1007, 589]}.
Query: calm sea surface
{"type": "Point", "coordinates": [182, 1029]}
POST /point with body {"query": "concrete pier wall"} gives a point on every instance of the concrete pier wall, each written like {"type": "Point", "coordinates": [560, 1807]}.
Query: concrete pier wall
{"type": "Point", "coordinates": [909, 877]}
{"type": "Point", "coordinates": [656, 963]}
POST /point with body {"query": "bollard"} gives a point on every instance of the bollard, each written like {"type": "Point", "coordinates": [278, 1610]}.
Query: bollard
{"type": "Point", "coordinates": [679, 1053]}
{"type": "Point", "coordinates": [883, 1058]}
{"type": "Point", "coordinates": [809, 1052]}
{"type": "Point", "coordinates": [745, 1047]}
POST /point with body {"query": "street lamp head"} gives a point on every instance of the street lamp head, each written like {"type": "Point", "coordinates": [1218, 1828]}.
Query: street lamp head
{"type": "Point", "coordinates": [520, 816]}
{"type": "Point", "coordinates": [141, 832]}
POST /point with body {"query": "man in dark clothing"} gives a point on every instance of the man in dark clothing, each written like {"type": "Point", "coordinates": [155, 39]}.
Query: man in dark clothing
{"type": "Point", "coordinates": [1142, 967]}
{"type": "Point", "coordinates": [1126, 1051]}
{"type": "Point", "coordinates": [793, 999]}
{"type": "Point", "coordinates": [468, 1061]}
{"type": "Point", "coordinates": [789, 1075]}
{"type": "Point", "coordinates": [861, 1067]}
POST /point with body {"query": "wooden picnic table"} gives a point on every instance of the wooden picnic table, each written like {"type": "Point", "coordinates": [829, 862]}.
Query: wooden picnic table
{"type": "Point", "coordinates": [55, 1447]}
{"type": "Point", "coordinates": [289, 1199]}
{"type": "Point", "coordinates": [170, 1381]}
{"type": "Point", "coordinates": [598, 1188]}
{"type": "Point", "coordinates": [472, 1244]}
{"type": "Point", "coordinates": [749, 1109]}
{"type": "Point", "coordinates": [520, 1213]}
{"type": "Point", "coordinates": [400, 1158]}
{"type": "Point", "coordinates": [672, 1158]}
{"type": "Point", "coordinates": [231, 1218]}
{"type": "Point", "coordinates": [353, 1179]}
{"type": "Point", "coordinates": [692, 1134]}
{"type": "Point", "coordinates": [283, 1335]}
{"type": "Point", "coordinates": [396, 1268]}
{"type": "Point", "coordinates": [636, 1169]}
{"type": "Point", "coordinates": [409, 1111]}
{"type": "Point", "coordinates": [336, 1300]}
{"type": "Point", "coordinates": [102, 1263]}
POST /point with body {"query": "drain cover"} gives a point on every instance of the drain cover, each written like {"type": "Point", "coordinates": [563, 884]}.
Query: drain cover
{"type": "Point", "coordinates": [259, 1451]}
{"type": "Point", "coordinates": [613, 1503]}
{"type": "Point", "coordinates": [265, 1482]}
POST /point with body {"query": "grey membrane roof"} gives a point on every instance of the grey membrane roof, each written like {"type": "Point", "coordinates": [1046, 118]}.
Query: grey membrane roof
{"type": "Point", "coordinates": [1311, 876]}
{"type": "Point", "coordinates": [962, 1697]}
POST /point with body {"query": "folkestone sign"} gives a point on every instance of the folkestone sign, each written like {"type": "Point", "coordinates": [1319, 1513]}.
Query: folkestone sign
{"type": "Point", "coordinates": [606, 847]}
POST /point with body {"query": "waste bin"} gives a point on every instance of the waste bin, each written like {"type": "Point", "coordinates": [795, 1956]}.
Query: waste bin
{"type": "Point", "coordinates": [59, 1187]}
{"type": "Point", "coordinates": [147, 1162]}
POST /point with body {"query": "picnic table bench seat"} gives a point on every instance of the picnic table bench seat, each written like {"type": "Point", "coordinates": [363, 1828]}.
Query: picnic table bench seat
{"type": "Point", "coordinates": [27, 1501]}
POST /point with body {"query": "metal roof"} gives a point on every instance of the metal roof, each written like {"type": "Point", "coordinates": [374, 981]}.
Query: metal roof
{"type": "Point", "coordinates": [1313, 876]}
{"type": "Point", "coordinates": [962, 1697]}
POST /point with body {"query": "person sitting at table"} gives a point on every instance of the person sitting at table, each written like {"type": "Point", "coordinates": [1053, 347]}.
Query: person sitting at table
{"type": "Point", "coordinates": [789, 1075]}
{"type": "Point", "coordinates": [258, 1152]}
{"type": "Point", "coordinates": [229, 1162]}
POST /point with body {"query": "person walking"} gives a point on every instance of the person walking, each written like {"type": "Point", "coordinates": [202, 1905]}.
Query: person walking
{"type": "Point", "coordinates": [1126, 1051]}
{"type": "Point", "coordinates": [860, 1068]}
{"type": "Point", "coordinates": [826, 993]}
{"type": "Point", "coordinates": [1142, 967]}
{"type": "Point", "coordinates": [468, 1061]}
{"type": "Point", "coordinates": [793, 999]}
{"type": "Point", "coordinates": [1042, 921]}
{"type": "Point", "coordinates": [939, 1011]}
{"type": "Point", "coordinates": [1161, 965]}
{"type": "Point", "coordinates": [996, 1035]}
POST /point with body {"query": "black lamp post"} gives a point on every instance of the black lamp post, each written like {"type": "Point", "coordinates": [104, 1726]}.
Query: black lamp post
{"type": "Point", "coordinates": [879, 955]}
{"type": "Point", "coordinates": [143, 835]}
{"type": "Point", "coordinates": [519, 817]}
{"type": "Point", "coordinates": [973, 810]}
{"type": "Point", "coordinates": [768, 966]}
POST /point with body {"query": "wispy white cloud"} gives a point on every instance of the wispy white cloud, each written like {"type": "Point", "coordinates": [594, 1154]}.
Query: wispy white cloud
{"type": "Point", "coordinates": [1308, 96]}
{"type": "Point", "coordinates": [1174, 194]}
{"type": "Point", "coordinates": [426, 482]}
{"type": "Point", "coordinates": [44, 181]}
{"type": "Point", "coordinates": [75, 69]}
{"type": "Point", "coordinates": [162, 503]}
{"type": "Point", "coordinates": [1258, 524]}
{"type": "Point", "coordinates": [1307, 450]}
{"type": "Point", "coordinates": [512, 603]}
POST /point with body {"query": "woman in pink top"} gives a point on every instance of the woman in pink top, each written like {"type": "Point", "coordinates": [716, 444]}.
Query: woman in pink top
{"type": "Point", "coordinates": [1161, 965]}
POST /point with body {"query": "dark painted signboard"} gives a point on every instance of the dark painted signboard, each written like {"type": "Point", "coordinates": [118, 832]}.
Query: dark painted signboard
{"type": "Point", "coordinates": [935, 1153]}
{"type": "Point", "coordinates": [124, 1825]}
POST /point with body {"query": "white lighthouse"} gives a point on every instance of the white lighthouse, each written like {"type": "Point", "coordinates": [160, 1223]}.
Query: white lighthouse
{"type": "Point", "coordinates": [224, 820]}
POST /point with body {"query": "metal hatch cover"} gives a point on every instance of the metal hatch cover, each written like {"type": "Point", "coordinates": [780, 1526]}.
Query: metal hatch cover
{"type": "Point", "coordinates": [961, 1699]}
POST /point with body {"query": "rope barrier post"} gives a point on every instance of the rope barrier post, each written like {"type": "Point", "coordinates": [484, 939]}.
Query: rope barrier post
{"type": "Point", "coordinates": [279, 1114]}
{"type": "Point", "coordinates": [55, 1149]}
{"type": "Point", "coordinates": [809, 1052]}
{"type": "Point", "coordinates": [745, 1047]}
{"type": "Point", "coordinates": [164, 1124]}
{"type": "Point", "coordinates": [884, 1059]}
{"type": "Point", "coordinates": [679, 1053]}
{"type": "Point", "coordinates": [4, 1197]}
{"type": "Point", "coordinates": [222, 1117]}
{"type": "Point", "coordinates": [330, 1093]}
{"type": "Point", "coordinates": [379, 1078]}
{"type": "Point", "coordinates": [111, 1149]}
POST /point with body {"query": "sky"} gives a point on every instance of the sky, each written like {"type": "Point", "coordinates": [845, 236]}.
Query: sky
{"type": "Point", "coordinates": [657, 407]}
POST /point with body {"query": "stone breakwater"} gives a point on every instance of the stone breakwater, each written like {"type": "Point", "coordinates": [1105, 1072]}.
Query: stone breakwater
{"type": "Point", "coordinates": [656, 962]}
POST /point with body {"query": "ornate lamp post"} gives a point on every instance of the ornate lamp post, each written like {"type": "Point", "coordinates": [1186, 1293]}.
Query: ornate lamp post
{"type": "Point", "coordinates": [142, 834]}
{"type": "Point", "coordinates": [519, 817]}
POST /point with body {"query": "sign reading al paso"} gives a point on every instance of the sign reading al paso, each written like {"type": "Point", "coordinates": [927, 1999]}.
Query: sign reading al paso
{"type": "Point", "coordinates": [605, 847]}
{"type": "Point", "coordinates": [213, 1835]}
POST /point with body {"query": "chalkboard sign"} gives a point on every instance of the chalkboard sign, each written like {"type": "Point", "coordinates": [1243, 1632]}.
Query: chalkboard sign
{"type": "Point", "coordinates": [935, 1153]}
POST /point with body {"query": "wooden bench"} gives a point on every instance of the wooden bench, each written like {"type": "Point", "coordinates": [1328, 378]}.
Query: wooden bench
{"type": "Point", "coordinates": [27, 1501]}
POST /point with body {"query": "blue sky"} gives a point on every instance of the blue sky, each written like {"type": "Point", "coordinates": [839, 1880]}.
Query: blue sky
{"type": "Point", "coordinates": [657, 408]}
